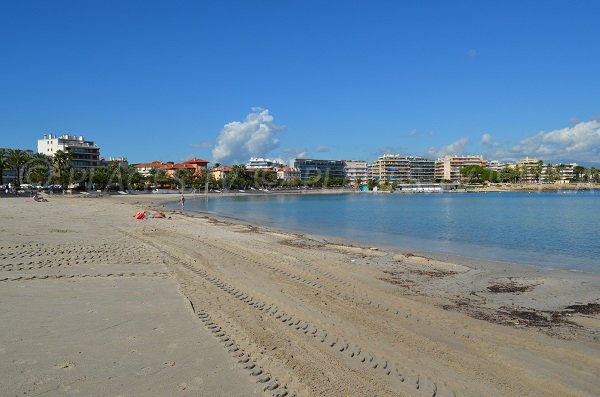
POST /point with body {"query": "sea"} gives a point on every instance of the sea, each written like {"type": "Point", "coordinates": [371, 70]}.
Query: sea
{"type": "Point", "coordinates": [546, 229]}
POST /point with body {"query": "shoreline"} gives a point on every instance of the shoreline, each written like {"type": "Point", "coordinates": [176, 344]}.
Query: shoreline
{"type": "Point", "coordinates": [437, 255]}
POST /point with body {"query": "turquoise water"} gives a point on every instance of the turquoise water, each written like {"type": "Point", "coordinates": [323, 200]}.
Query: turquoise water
{"type": "Point", "coordinates": [556, 230]}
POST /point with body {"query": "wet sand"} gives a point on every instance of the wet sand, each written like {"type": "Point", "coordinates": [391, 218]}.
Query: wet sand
{"type": "Point", "coordinates": [272, 310]}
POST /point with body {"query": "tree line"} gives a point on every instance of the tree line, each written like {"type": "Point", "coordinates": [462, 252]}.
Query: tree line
{"type": "Point", "coordinates": [527, 173]}
{"type": "Point", "coordinates": [39, 169]}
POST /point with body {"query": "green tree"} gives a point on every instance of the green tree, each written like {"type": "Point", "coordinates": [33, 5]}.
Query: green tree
{"type": "Point", "coordinates": [39, 168]}
{"type": "Point", "coordinates": [3, 164]}
{"type": "Point", "coordinates": [184, 177]}
{"type": "Point", "coordinates": [372, 183]}
{"type": "Point", "coordinates": [62, 164]}
{"type": "Point", "coordinates": [101, 177]}
{"type": "Point", "coordinates": [238, 178]}
{"type": "Point", "coordinates": [474, 173]}
{"type": "Point", "coordinates": [489, 175]}
{"type": "Point", "coordinates": [135, 179]}
{"type": "Point", "coordinates": [537, 171]}
{"type": "Point", "coordinates": [579, 173]}
{"type": "Point", "coordinates": [16, 160]}
{"type": "Point", "coordinates": [552, 173]}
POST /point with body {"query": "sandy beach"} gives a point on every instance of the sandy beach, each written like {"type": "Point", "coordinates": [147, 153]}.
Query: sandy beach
{"type": "Point", "coordinates": [95, 302]}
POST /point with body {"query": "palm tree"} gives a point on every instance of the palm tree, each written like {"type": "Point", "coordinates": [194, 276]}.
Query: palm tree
{"type": "Point", "coordinates": [38, 167]}
{"type": "Point", "coordinates": [17, 159]}
{"type": "Point", "coordinates": [3, 165]}
{"type": "Point", "coordinates": [538, 170]}
{"type": "Point", "coordinates": [62, 164]}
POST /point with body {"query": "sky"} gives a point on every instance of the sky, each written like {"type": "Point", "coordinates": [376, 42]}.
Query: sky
{"type": "Point", "coordinates": [226, 80]}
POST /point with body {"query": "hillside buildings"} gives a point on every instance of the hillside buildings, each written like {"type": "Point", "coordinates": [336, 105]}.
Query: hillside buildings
{"type": "Point", "coordinates": [448, 167]}
{"type": "Point", "coordinates": [86, 154]}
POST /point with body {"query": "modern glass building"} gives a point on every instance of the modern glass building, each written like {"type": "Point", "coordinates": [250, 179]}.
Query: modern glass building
{"type": "Point", "coordinates": [327, 168]}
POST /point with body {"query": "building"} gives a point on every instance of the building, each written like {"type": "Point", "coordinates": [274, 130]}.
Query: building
{"type": "Point", "coordinates": [390, 168]}
{"type": "Point", "coordinates": [86, 154]}
{"type": "Point", "coordinates": [286, 174]}
{"type": "Point", "coordinates": [448, 167]}
{"type": "Point", "coordinates": [196, 165]}
{"type": "Point", "coordinates": [558, 173]}
{"type": "Point", "coordinates": [259, 163]}
{"type": "Point", "coordinates": [421, 169]}
{"type": "Point", "coordinates": [145, 169]}
{"type": "Point", "coordinates": [396, 168]}
{"type": "Point", "coordinates": [121, 161]}
{"type": "Point", "coordinates": [326, 168]}
{"type": "Point", "coordinates": [220, 172]}
{"type": "Point", "coordinates": [496, 165]}
{"type": "Point", "coordinates": [355, 170]}
{"type": "Point", "coordinates": [531, 170]}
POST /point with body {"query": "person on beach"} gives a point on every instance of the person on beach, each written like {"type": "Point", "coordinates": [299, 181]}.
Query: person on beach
{"type": "Point", "coordinates": [182, 201]}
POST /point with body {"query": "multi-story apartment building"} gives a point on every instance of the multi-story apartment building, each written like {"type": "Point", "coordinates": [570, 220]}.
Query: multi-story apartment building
{"type": "Point", "coordinates": [356, 171]}
{"type": "Point", "coordinates": [86, 154]}
{"type": "Point", "coordinates": [531, 169]}
{"type": "Point", "coordinates": [558, 173]}
{"type": "Point", "coordinates": [390, 168]}
{"type": "Point", "coordinates": [422, 170]}
{"type": "Point", "coordinates": [326, 168]}
{"type": "Point", "coordinates": [397, 168]}
{"type": "Point", "coordinates": [496, 165]}
{"type": "Point", "coordinates": [259, 163]}
{"type": "Point", "coordinates": [448, 167]}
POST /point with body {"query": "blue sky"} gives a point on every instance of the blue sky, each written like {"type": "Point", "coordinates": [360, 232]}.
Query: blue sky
{"type": "Point", "coordinates": [161, 80]}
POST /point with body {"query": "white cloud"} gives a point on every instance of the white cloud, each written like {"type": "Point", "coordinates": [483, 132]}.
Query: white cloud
{"type": "Point", "coordinates": [472, 53]}
{"type": "Point", "coordinates": [456, 147]}
{"type": "Point", "coordinates": [488, 140]}
{"type": "Point", "coordinates": [294, 153]}
{"type": "Point", "coordinates": [321, 149]}
{"type": "Point", "coordinates": [253, 137]}
{"type": "Point", "coordinates": [580, 142]}
{"type": "Point", "coordinates": [413, 132]}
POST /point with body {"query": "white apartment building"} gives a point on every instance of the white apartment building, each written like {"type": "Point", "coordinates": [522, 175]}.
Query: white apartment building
{"type": "Point", "coordinates": [531, 169]}
{"type": "Point", "coordinates": [558, 173]}
{"type": "Point", "coordinates": [86, 154]}
{"type": "Point", "coordinates": [448, 167]}
{"type": "Point", "coordinates": [356, 170]}
{"type": "Point", "coordinates": [259, 163]}
{"type": "Point", "coordinates": [496, 165]}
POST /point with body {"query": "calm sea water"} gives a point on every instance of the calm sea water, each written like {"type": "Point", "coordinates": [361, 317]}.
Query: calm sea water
{"type": "Point", "coordinates": [557, 230]}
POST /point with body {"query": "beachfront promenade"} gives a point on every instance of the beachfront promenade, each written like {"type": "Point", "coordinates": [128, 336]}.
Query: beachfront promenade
{"type": "Point", "coordinates": [99, 303]}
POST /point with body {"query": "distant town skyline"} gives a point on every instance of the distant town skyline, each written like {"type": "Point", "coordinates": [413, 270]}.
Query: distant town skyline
{"type": "Point", "coordinates": [225, 81]}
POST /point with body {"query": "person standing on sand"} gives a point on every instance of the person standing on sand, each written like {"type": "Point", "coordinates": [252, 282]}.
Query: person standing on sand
{"type": "Point", "coordinates": [182, 201]}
